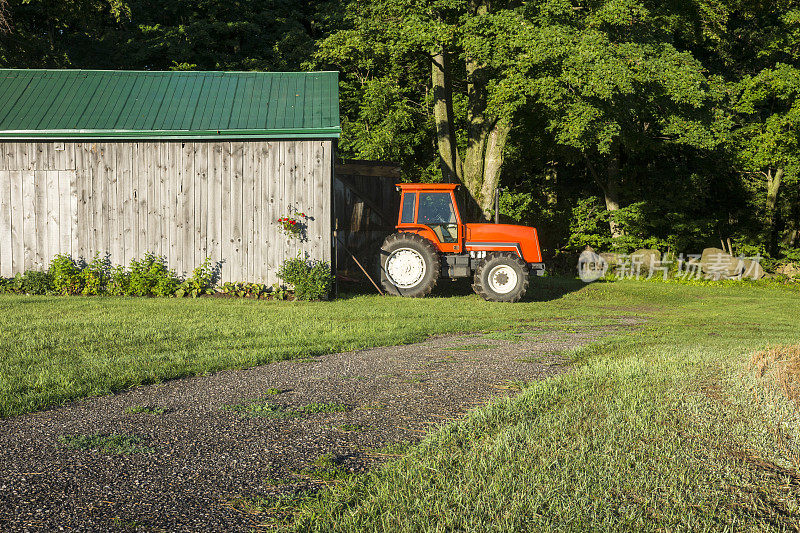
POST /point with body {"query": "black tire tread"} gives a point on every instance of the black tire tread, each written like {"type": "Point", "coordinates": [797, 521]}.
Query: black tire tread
{"type": "Point", "coordinates": [427, 248]}
{"type": "Point", "coordinates": [484, 293]}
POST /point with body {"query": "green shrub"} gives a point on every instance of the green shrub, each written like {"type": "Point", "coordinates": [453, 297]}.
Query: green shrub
{"type": "Point", "coordinates": [203, 280]}
{"type": "Point", "coordinates": [251, 290]}
{"type": "Point", "coordinates": [119, 281]}
{"type": "Point", "coordinates": [150, 276]}
{"type": "Point", "coordinates": [11, 285]}
{"type": "Point", "coordinates": [37, 282]}
{"type": "Point", "coordinates": [95, 276]}
{"type": "Point", "coordinates": [311, 279]}
{"type": "Point", "coordinates": [66, 275]}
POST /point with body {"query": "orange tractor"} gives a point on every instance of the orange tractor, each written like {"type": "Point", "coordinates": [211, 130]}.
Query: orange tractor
{"type": "Point", "coordinates": [433, 242]}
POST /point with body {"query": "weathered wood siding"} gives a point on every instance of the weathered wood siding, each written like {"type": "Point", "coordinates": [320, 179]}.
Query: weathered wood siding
{"type": "Point", "coordinates": [183, 200]}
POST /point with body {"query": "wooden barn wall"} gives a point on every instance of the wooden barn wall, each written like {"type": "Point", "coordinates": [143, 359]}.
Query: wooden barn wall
{"type": "Point", "coordinates": [182, 200]}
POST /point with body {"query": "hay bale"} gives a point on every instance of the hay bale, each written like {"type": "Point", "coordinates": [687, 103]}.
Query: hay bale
{"type": "Point", "coordinates": [779, 368]}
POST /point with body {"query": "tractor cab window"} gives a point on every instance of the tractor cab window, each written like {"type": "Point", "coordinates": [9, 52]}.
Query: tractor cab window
{"type": "Point", "coordinates": [436, 211]}
{"type": "Point", "coordinates": [408, 208]}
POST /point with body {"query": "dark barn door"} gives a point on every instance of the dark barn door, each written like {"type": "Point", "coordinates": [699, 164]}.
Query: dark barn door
{"type": "Point", "coordinates": [366, 204]}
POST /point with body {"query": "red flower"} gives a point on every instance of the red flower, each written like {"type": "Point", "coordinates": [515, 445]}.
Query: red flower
{"type": "Point", "coordinates": [294, 222]}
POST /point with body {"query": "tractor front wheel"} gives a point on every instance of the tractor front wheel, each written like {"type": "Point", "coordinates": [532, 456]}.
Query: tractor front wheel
{"type": "Point", "coordinates": [501, 277]}
{"type": "Point", "coordinates": [410, 265]}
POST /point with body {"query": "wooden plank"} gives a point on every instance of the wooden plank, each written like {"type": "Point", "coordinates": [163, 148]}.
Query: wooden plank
{"type": "Point", "coordinates": [136, 201]}
{"type": "Point", "coordinates": [4, 146]}
{"type": "Point", "coordinates": [248, 186]}
{"type": "Point", "coordinates": [225, 214]}
{"type": "Point", "coordinates": [40, 156]}
{"type": "Point", "coordinates": [73, 212]}
{"type": "Point", "coordinates": [96, 199]}
{"type": "Point", "coordinates": [12, 156]}
{"type": "Point", "coordinates": [326, 171]}
{"type": "Point", "coordinates": [53, 215]}
{"type": "Point", "coordinates": [187, 222]}
{"type": "Point", "coordinates": [150, 159]}
{"type": "Point", "coordinates": [213, 226]}
{"type": "Point", "coordinates": [237, 166]}
{"type": "Point", "coordinates": [105, 182]}
{"type": "Point", "coordinates": [40, 222]}
{"type": "Point", "coordinates": [201, 202]}
{"type": "Point", "coordinates": [83, 176]}
{"type": "Point", "coordinates": [27, 158]}
{"type": "Point", "coordinates": [258, 246]}
{"type": "Point", "coordinates": [17, 224]}
{"type": "Point", "coordinates": [323, 201]}
{"type": "Point", "coordinates": [125, 198]}
{"type": "Point", "coordinates": [64, 215]}
{"type": "Point", "coordinates": [6, 265]}
{"type": "Point", "coordinates": [141, 177]}
{"type": "Point", "coordinates": [172, 176]}
{"type": "Point", "coordinates": [170, 197]}
{"type": "Point", "coordinates": [277, 203]}
{"type": "Point", "coordinates": [29, 219]}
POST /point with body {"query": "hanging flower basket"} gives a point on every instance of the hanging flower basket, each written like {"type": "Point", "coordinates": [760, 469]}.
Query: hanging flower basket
{"type": "Point", "coordinates": [293, 225]}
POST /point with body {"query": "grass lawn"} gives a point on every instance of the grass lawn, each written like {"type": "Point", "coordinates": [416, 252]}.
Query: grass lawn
{"type": "Point", "coordinates": [661, 428]}
{"type": "Point", "coordinates": [57, 349]}
{"type": "Point", "coordinates": [664, 429]}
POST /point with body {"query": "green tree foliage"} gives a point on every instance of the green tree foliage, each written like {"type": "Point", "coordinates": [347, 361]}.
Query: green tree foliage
{"type": "Point", "coordinates": [615, 123]}
{"type": "Point", "coordinates": [173, 34]}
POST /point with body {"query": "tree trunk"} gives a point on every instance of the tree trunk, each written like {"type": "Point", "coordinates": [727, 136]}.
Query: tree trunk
{"type": "Point", "coordinates": [611, 191]}
{"type": "Point", "coordinates": [443, 117]}
{"type": "Point", "coordinates": [773, 187]}
{"type": "Point", "coordinates": [479, 170]}
{"type": "Point", "coordinates": [492, 163]}
{"type": "Point", "coordinates": [610, 187]}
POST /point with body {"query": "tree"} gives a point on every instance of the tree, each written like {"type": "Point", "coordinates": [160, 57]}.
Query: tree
{"type": "Point", "coordinates": [613, 84]}
{"type": "Point", "coordinates": [764, 86]}
{"type": "Point", "coordinates": [765, 138]}
{"type": "Point", "coordinates": [5, 25]}
{"type": "Point", "coordinates": [463, 46]}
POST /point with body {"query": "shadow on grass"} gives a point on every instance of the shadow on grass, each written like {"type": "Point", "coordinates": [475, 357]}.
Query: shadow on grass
{"type": "Point", "coordinates": [541, 289]}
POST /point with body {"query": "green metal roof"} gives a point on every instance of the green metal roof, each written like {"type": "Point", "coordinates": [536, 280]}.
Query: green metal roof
{"type": "Point", "coordinates": [97, 104]}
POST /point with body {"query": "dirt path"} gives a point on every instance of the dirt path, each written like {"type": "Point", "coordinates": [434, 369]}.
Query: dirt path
{"type": "Point", "coordinates": [213, 446]}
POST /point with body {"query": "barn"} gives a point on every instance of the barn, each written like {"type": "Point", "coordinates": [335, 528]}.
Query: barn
{"type": "Point", "coordinates": [186, 165]}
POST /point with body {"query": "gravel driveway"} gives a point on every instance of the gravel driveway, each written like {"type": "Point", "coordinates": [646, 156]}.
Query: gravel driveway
{"type": "Point", "coordinates": [208, 444]}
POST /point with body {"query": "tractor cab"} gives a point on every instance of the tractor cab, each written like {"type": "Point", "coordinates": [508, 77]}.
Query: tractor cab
{"type": "Point", "coordinates": [431, 210]}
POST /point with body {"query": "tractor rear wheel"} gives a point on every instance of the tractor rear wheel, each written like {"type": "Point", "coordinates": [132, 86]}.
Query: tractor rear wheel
{"type": "Point", "coordinates": [410, 265]}
{"type": "Point", "coordinates": [501, 277]}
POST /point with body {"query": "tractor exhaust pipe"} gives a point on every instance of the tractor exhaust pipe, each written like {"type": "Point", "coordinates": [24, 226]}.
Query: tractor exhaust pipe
{"type": "Point", "coordinates": [497, 205]}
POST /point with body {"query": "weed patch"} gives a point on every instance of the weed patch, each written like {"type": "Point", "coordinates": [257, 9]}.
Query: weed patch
{"type": "Point", "coordinates": [326, 467]}
{"type": "Point", "coordinates": [260, 408]}
{"type": "Point", "coordinates": [113, 444]}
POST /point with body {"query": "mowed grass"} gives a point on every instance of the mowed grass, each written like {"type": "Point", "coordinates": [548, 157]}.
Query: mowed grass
{"type": "Point", "coordinates": [665, 428]}
{"type": "Point", "coordinates": [57, 349]}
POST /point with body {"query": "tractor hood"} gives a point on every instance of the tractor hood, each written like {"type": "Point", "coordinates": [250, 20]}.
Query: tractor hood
{"type": "Point", "coordinates": [504, 237]}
